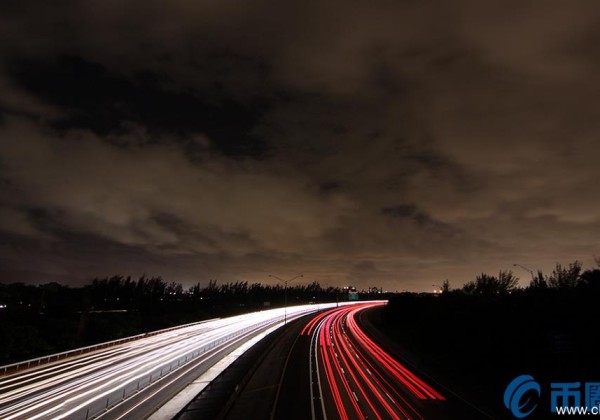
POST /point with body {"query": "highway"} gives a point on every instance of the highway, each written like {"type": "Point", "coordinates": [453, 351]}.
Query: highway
{"type": "Point", "coordinates": [131, 379]}
{"type": "Point", "coordinates": [352, 377]}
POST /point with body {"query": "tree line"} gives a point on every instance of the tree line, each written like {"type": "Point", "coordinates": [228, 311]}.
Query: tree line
{"type": "Point", "coordinates": [48, 318]}
{"type": "Point", "coordinates": [482, 335]}
{"type": "Point", "coordinates": [125, 292]}
{"type": "Point", "coordinates": [565, 278]}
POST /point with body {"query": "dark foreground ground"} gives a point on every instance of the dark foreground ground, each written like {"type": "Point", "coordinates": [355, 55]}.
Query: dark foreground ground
{"type": "Point", "coordinates": [477, 344]}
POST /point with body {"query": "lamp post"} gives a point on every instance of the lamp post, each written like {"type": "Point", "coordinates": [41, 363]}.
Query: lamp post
{"type": "Point", "coordinates": [285, 282]}
{"type": "Point", "coordinates": [438, 286]}
{"type": "Point", "coordinates": [525, 268]}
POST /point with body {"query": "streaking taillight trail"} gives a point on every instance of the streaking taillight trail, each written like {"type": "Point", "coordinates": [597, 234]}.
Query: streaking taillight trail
{"type": "Point", "coordinates": [362, 379]}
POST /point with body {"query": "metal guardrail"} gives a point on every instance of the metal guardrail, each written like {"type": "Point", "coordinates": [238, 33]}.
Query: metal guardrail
{"type": "Point", "coordinates": [137, 384]}
{"type": "Point", "coordinates": [57, 356]}
{"type": "Point", "coordinates": [63, 355]}
{"type": "Point", "coordinates": [100, 404]}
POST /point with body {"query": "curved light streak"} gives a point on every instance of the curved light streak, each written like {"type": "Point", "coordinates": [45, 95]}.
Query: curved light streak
{"type": "Point", "coordinates": [90, 384]}
{"type": "Point", "coordinates": [363, 381]}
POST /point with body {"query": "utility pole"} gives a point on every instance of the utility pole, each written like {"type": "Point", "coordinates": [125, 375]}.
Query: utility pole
{"type": "Point", "coordinates": [525, 268]}
{"type": "Point", "coordinates": [285, 283]}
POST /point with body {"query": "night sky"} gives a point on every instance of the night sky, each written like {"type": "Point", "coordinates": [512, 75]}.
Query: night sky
{"type": "Point", "coordinates": [383, 143]}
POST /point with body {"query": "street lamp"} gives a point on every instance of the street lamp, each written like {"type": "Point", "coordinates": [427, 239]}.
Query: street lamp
{"type": "Point", "coordinates": [438, 286]}
{"type": "Point", "coordinates": [525, 268]}
{"type": "Point", "coordinates": [285, 282]}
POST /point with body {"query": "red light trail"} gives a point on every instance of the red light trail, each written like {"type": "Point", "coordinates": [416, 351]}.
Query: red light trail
{"type": "Point", "coordinates": [363, 380]}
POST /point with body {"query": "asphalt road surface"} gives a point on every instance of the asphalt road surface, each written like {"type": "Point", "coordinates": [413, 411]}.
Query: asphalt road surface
{"type": "Point", "coordinates": [337, 371]}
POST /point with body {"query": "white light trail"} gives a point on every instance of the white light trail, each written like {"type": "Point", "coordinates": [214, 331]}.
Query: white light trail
{"type": "Point", "coordinates": [88, 384]}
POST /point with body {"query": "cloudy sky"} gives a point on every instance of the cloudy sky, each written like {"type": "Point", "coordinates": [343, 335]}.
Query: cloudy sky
{"type": "Point", "coordinates": [382, 143]}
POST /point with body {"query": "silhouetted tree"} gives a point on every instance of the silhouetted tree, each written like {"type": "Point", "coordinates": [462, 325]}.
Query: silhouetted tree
{"type": "Point", "coordinates": [565, 277]}
{"type": "Point", "coordinates": [485, 284]}
{"type": "Point", "coordinates": [195, 290]}
{"type": "Point", "coordinates": [507, 281]}
{"type": "Point", "coordinates": [469, 287]}
{"type": "Point", "coordinates": [538, 282]}
{"type": "Point", "coordinates": [211, 290]}
{"type": "Point", "coordinates": [590, 280]}
{"type": "Point", "coordinates": [446, 286]}
{"type": "Point", "coordinates": [174, 289]}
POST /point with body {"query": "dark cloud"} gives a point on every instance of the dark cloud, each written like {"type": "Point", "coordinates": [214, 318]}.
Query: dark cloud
{"type": "Point", "coordinates": [397, 143]}
{"type": "Point", "coordinates": [405, 211]}
{"type": "Point", "coordinates": [365, 272]}
{"type": "Point", "coordinates": [94, 98]}
{"type": "Point", "coordinates": [409, 211]}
